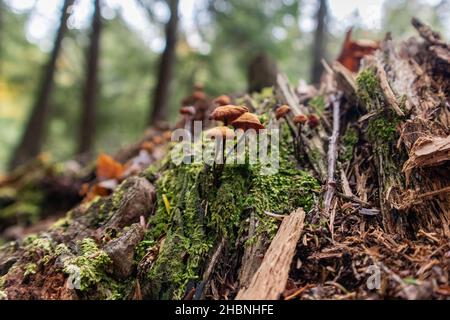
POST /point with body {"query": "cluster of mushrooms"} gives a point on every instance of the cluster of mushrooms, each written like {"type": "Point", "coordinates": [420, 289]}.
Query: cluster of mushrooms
{"type": "Point", "coordinates": [312, 120]}
{"type": "Point", "coordinates": [238, 117]}
{"type": "Point", "coordinates": [194, 107]}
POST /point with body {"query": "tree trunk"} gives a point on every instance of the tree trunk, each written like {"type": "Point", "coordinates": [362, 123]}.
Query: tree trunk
{"type": "Point", "coordinates": [87, 125]}
{"type": "Point", "coordinates": [319, 46]}
{"type": "Point", "coordinates": [161, 92]}
{"type": "Point", "coordinates": [32, 139]}
{"type": "Point", "coordinates": [262, 73]}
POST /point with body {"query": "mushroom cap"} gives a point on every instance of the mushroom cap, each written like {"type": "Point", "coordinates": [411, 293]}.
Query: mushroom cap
{"type": "Point", "coordinates": [187, 111]}
{"type": "Point", "coordinates": [157, 140]}
{"type": "Point", "coordinates": [198, 95]}
{"type": "Point", "coordinates": [148, 146]}
{"type": "Point", "coordinates": [300, 119]}
{"type": "Point", "coordinates": [228, 112]}
{"type": "Point", "coordinates": [282, 111]}
{"type": "Point", "coordinates": [220, 131]}
{"type": "Point", "coordinates": [247, 121]}
{"type": "Point", "coordinates": [313, 121]}
{"type": "Point", "coordinates": [222, 100]}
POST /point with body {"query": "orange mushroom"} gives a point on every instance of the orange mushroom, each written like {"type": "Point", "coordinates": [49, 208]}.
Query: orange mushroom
{"type": "Point", "coordinates": [247, 121]}
{"type": "Point", "coordinates": [282, 111]}
{"type": "Point", "coordinates": [188, 114]}
{"type": "Point", "coordinates": [222, 100]}
{"type": "Point", "coordinates": [300, 119]}
{"type": "Point", "coordinates": [227, 113]}
{"type": "Point", "coordinates": [221, 132]}
{"type": "Point", "coordinates": [198, 95]}
{"type": "Point", "coordinates": [313, 121]}
{"type": "Point", "coordinates": [187, 111]}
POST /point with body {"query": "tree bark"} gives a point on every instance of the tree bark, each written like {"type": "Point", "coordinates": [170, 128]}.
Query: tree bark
{"type": "Point", "coordinates": [33, 136]}
{"type": "Point", "coordinates": [88, 119]}
{"type": "Point", "coordinates": [319, 46]}
{"type": "Point", "coordinates": [162, 89]}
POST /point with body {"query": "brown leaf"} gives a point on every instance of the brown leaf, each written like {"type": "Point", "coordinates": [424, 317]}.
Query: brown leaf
{"type": "Point", "coordinates": [354, 50]}
{"type": "Point", "coordinates": [108, 168]}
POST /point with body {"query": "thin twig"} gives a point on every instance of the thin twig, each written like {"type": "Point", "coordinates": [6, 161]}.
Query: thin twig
{"type": "Point", "coordinates": [332, 154]}
{"type": "Point", "coordinates": [353, 199]}
{"type": "Point", "coordinates": [207, 275]}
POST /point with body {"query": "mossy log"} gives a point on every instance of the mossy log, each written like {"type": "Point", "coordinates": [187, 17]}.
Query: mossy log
{"type": "Point", "coordinates": [187, 232]}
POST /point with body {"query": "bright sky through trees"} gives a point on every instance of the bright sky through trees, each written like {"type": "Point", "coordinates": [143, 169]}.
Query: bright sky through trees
{"type": "Point", "coordinates": [42, 22]}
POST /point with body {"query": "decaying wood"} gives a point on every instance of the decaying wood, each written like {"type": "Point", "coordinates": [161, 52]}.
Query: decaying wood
{"type": "Point", "coordinates": [387, 91]}
{"type": "Point", "coordinates": [379, 215]}
{"type": "Point", "coordinates": [270, 280]}
{"type": "Point", "coordinates": [413, 85]}
{"type": "Point", "coordinates": [251, 259]}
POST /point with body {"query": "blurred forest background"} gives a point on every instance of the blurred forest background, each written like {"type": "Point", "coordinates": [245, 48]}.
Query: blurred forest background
{"type": "Point", "coordinates": [88, 80]}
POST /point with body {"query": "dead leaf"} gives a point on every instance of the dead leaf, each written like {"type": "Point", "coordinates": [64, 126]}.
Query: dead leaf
{"type": "Point", "coordinates": [354, 50]}
{"type": "Point", "coordinates": [108, 168]}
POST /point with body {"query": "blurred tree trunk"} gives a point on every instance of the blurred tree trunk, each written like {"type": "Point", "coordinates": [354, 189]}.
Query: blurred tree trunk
{"type": "Point", "coordinates": [320, 40]}
{"type": "Point", "coordinates": [2, 27]}
{"type": "Point", "coordinates": [88, 118]}
{"type": "Point", "coordinates": [33, 136]}
{"type": "Point", "coordinates": [162, 90]}
{"type": "Point", "coordinates": [262, 73]}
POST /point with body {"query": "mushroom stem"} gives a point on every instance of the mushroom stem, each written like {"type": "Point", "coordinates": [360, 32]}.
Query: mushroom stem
{"type": "Point", "coordinates": [237, 143]}
{"type": "Point", "coordinates": [188, 124]}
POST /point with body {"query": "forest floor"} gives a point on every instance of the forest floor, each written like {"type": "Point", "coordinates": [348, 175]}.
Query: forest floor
{"type": "Point", "coordinates": [359, 207]}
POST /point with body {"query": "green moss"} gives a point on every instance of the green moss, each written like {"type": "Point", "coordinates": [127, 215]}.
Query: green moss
{"type": "Point", "coordinates": [383, 128]}
{"type": "Point", "coordinates": [90, 265]}
{"type": "Point", "coordinates": [318, 104]}
{"type": "Point", "coordinates": [30, 268]}
{"type": "Point", "coordinates": [194, 211]}
{"type": "Point", "coordinates": [349, 140]}
{"type": "Point", "coordinates": [62, 223]}
{"type": "Point", "coordinates": [368, 89]}
{"type": "Point", "coordinates": [281, 193]}
{"type": "Point", "coordinates": [36, 244]}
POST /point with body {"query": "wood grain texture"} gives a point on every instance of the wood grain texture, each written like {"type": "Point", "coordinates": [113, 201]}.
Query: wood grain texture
{"type": "Point", "coordinates": [270, 280]}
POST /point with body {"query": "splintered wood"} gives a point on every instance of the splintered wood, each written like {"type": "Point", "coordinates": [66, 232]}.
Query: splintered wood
{"type": "Point", "coordinates": [270, 280]}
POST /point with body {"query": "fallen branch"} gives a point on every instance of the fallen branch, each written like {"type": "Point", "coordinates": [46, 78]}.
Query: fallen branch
{"type": "Point", "coordinates": [270, 280]}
